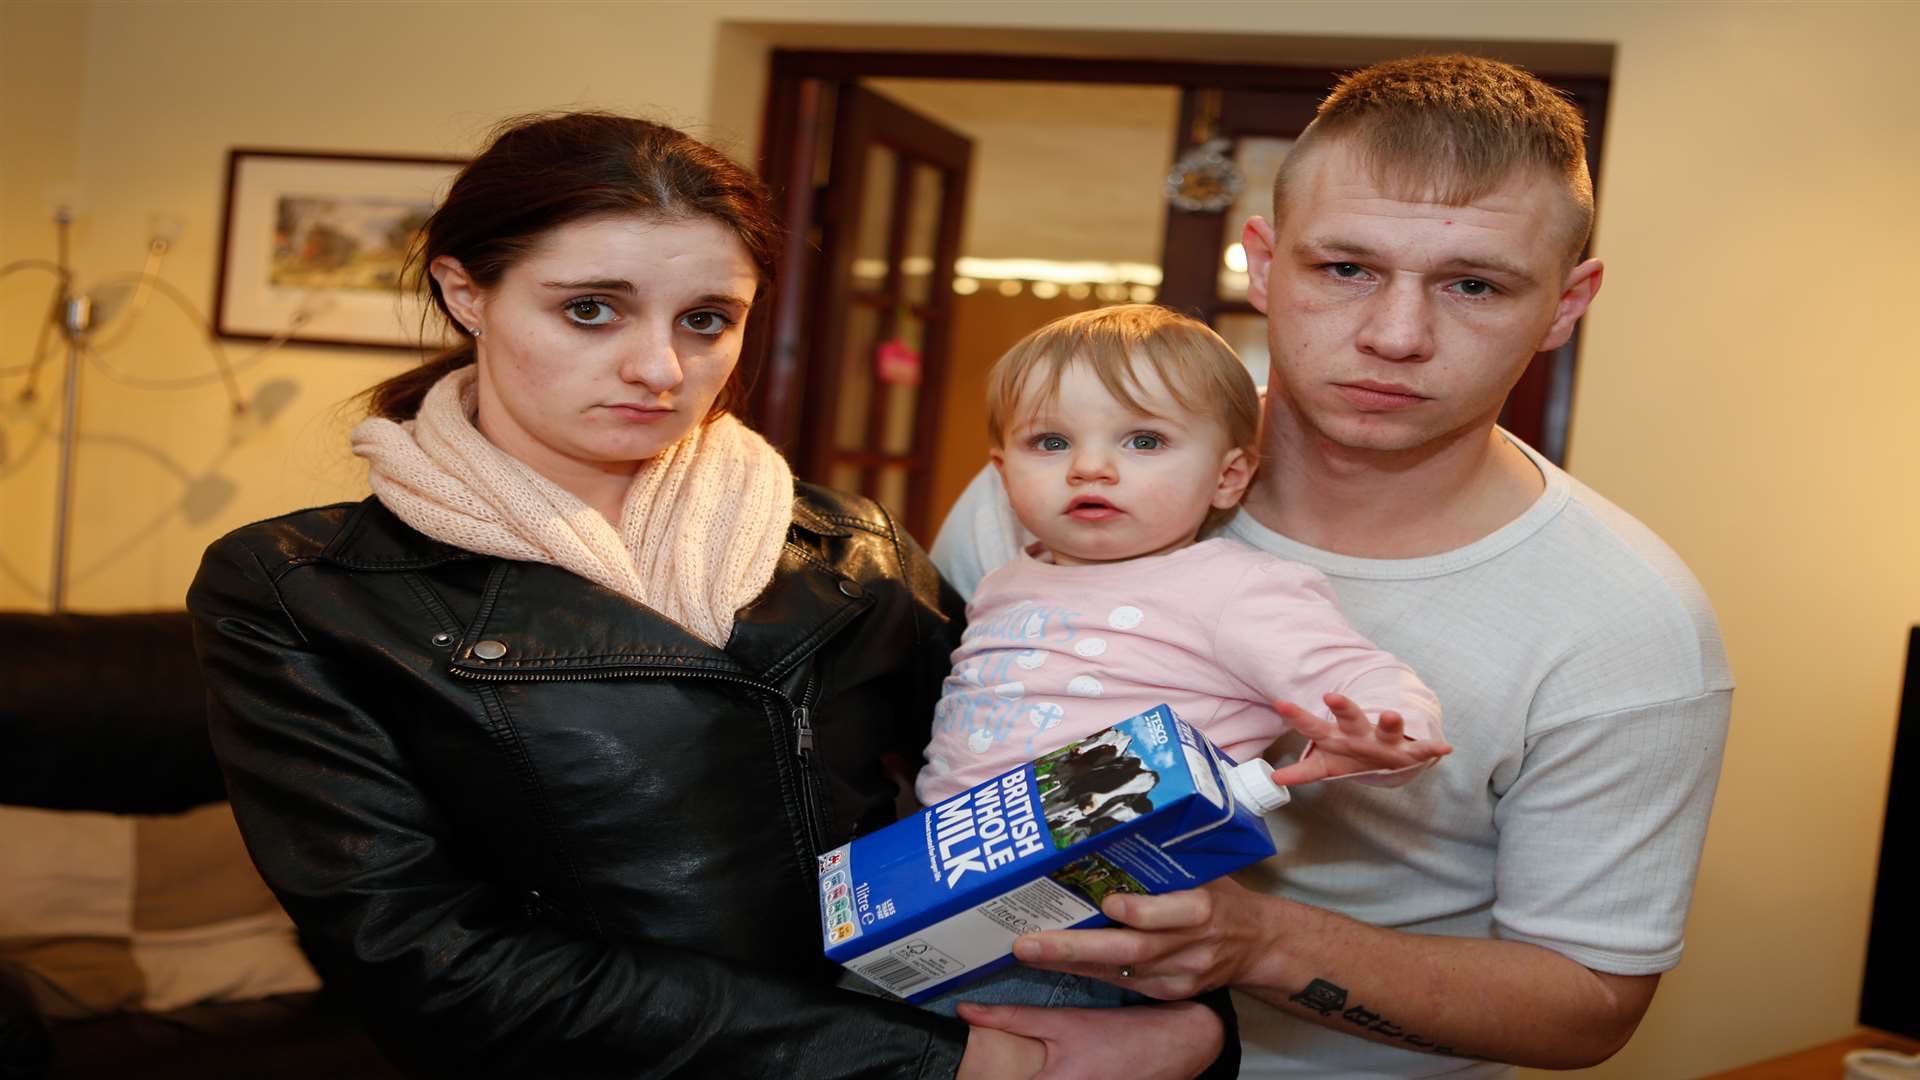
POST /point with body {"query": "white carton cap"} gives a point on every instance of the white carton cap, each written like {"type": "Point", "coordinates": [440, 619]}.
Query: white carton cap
{"type": "Point", "coordinates": [1252, 783]}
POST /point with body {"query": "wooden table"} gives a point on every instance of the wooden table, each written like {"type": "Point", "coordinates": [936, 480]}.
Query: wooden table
{"type": "Point", "coordinates": [1822, 1062]}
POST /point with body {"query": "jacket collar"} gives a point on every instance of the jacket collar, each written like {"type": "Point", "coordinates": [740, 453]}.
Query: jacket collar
{"type": "Point", "coordinates": [551, 623]}
{"type": "Point", "coordinates": [372, 538]}
{"type": "Point", "coordinates": [541, 622]}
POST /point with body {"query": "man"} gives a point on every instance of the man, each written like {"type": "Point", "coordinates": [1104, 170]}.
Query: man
{"type": "Point", "coordinates": [1518, 903]}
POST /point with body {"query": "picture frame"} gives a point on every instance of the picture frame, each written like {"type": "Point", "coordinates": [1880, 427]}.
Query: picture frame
{"type": "Point", "coordinates": [313, 244]}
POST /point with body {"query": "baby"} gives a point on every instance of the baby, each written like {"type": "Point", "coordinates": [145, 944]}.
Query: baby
{"type": "Point", "coordinates": [1122, 435]}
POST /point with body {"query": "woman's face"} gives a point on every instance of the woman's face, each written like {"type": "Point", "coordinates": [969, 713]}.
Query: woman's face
{"type": "Point", "coordinates": [607, 342]}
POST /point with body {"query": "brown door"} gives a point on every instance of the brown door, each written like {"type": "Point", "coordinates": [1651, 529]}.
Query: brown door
{"type": "Point", "coordinates": [1201, 278]}
{"type": "Point", "coordinates": [858, 341]}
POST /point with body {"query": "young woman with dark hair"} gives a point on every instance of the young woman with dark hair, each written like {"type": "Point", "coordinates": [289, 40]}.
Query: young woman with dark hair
{"type": "Point", "coordinates": [538, 744]}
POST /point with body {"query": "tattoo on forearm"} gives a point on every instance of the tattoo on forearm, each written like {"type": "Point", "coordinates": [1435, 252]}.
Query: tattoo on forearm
{"type": "Point", "coordinates": [1329, 1000]}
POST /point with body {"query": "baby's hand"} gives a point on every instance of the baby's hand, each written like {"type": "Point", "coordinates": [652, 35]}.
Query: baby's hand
{"type": "Point", "coordinates": [1350, 743]}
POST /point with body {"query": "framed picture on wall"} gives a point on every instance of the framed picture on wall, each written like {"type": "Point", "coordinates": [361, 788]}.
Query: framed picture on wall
{"type": "Point", "coordinates": [314, 245]}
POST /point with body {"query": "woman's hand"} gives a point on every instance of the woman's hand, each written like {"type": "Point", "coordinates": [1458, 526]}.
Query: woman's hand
{"type": "Point", "coordinates": [1350, 743]}
{"type": "Point", "coordinates": [1145, 1042]}
{"type": "Point", "coordinates": [993, 1054]}
{"type": "Point", "coordinates": [1174, 945]}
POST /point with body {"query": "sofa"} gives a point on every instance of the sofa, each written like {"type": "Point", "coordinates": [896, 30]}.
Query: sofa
{"type": "Point", "coordinates": [135, 939]}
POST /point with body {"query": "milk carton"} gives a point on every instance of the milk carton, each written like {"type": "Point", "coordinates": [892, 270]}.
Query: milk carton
{"type": "Point", "coordinates": [935, 900]}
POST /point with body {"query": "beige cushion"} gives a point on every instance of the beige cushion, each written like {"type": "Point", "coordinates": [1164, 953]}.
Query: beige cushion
{"type": "Point", "coordinates": [106, 913]}
{"type": "Point", "coordinates": [75, 977]}
{"type": "Point", "coordinates": [192, 870]}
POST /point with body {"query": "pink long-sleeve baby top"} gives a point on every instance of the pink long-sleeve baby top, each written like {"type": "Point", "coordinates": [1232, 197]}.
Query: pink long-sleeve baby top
{"type": "Point", "coordinates": [1217, 630]}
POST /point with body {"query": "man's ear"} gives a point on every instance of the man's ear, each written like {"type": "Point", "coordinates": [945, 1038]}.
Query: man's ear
{"type": "Point", "coordinates": [1256, 239]}
{"type": "Point", "coordinates": [457, 287]}
{"type": "Point", "coordinates": [1582, 285]}
{"type": "Point", "coordinates": [1236, 472]}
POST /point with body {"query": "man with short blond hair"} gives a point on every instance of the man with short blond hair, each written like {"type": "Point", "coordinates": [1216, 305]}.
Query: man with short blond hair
{"type": "Point", "coordinates": [1518, 905]}
{"type": "Point", "coordinates": [1453, 127]}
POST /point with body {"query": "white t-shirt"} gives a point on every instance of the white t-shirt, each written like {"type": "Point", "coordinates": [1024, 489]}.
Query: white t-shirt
{"type": "Point", "coordinates": [1586, 693]}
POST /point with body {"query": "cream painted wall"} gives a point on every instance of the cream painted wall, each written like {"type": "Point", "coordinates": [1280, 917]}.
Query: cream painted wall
{"type": "Point", "coordinates": [1747, 386]}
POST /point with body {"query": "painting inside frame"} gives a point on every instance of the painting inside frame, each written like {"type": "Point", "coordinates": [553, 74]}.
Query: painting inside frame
{"type": "Point", "coordinates": [315, 245]}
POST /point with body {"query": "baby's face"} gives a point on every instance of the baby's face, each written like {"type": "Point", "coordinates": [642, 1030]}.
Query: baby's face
{"type": "Point", "coordinates": [1096, 481]}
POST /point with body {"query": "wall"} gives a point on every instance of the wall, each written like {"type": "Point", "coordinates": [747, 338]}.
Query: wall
{"type": "Point", "coordinates": [1746, 385]}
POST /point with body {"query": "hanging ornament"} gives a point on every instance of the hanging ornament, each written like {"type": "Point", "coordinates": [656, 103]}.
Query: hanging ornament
{"type": "Point", "coordinates": [898, 363]}
{"type": "Point", "coordinates": [1205, 179]}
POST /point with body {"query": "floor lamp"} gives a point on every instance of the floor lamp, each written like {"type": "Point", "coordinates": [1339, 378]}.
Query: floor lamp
{"type": "Point", "coordinates": [74, 316]}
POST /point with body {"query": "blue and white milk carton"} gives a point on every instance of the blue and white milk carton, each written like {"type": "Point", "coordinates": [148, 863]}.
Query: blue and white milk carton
{"type": "Point", "coordinates": [935, 900]}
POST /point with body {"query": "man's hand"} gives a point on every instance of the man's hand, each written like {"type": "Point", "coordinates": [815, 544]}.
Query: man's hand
{"type": "Point", "coordinates": [1175, 945]}
{"type": "Point", "coordinates": [1146, 1042]}
{"type": "Point", "coordinates": [1350, 743]}
{"type": "Point", "coordinates": [1507, 1001]}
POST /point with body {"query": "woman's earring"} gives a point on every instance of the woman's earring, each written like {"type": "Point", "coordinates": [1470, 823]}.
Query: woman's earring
{"type": "Point", "coordinates": [474, 330]}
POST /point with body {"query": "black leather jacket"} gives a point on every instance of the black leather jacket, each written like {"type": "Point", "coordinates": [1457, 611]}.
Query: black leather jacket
{"type": "Point", "coordinates": [538, 830]}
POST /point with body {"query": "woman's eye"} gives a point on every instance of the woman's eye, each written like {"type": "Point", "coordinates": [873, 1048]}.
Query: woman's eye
{"type": "Point", "coordinates": [1050, 443]}
{"type": "Point", "coordinates": [1144, 441]}
{"type": "Point", "coordinates": [588, 311]}
{"type": "Point", "coordinates": [708, 323]}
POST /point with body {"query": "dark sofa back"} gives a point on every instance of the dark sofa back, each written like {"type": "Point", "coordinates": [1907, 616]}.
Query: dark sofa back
{"type": "Point", "coordinates": [103, 712]}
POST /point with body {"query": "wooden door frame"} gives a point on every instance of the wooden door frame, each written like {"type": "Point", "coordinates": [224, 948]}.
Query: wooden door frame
{"type": "Point", "coordinates": [1542, 397]}
{"type": "Point", "coordinates": [867, 118]}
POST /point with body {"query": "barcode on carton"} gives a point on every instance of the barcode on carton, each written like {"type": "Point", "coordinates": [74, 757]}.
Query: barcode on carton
{"type": "Point", "coordinates": [895, 975]}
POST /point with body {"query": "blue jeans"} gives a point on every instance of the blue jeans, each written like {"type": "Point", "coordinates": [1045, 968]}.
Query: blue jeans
{"type": "Point", "coordinates": [1021, 985]}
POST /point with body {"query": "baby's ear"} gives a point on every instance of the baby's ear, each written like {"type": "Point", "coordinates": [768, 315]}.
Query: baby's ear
{"type": "Point", "coordinates": [999, 459]}
{"type": "Point", "coordinates": [1236, 472]}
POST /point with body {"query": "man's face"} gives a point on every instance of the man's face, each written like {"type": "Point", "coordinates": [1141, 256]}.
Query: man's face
{"type": "Point", "coordinates": [1397, 325]}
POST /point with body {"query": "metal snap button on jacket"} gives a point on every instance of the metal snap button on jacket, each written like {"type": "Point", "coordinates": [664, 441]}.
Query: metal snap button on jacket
{"type": "Point", "coordinates": [443, 639]}
{"type": "Point", "coordinates": [851, 589]}
{"type": "Point", "coordinates": [489, 649]}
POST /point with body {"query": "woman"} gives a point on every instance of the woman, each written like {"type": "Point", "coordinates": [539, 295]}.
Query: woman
{"type": "Point", "coordinates": [537, 746]}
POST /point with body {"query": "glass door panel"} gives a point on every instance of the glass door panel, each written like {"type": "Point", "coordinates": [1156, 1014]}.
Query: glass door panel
{"type": "Point", "coordinates": [923, 234]}
{"type": "Point", "coordinates": [870, 257]}
{"type": "Point", "coordinates": [891, 491]}
{"type": "Point", "coordinates": [853, 390]}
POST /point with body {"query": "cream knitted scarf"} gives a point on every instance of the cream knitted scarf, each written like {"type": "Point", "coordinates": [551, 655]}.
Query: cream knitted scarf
{"type": "Point", "coordinates": [700, 531]}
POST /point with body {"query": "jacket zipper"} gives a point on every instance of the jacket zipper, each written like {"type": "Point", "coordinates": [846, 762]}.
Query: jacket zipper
{"type": "Point", "coordinates": [800, 712]}
{"type": "Point", "coordinates": [803, 749]}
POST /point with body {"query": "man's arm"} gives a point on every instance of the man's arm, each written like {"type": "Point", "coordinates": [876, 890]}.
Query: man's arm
{"type": "Point", "coordinates": [1500, 1000]}
{"type": "Point", "coordinates": [1600, 839]}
